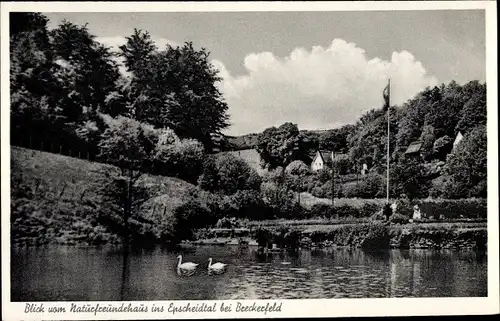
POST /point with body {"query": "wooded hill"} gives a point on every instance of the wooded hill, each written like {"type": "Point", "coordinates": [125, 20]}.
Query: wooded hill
{"type": "Point", "coordinates": [433, 118]}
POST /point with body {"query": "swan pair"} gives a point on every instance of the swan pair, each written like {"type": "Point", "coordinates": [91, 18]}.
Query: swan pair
{"type": "Point", "coordinates": [188, 268]}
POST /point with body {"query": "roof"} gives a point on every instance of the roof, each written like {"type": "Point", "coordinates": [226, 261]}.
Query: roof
{"type": "Point", "coordinates": [326, 156]}
{"type": "Point", "coordinates": [414, 147]}
{"type": "Point", "coordinates": [458, 138]}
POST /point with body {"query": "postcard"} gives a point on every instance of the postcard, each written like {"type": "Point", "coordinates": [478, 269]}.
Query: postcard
{"type": "Point", "coordinates": [249, 159]}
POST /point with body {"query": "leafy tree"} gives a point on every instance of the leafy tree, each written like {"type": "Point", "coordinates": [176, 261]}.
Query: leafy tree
{"type": "Point", "coordinates": [26, 22]}
{"type": "Point", "coordinates": [336, 139]}
{"type": "Point", "coordinates": [188, 74]}
{"type": "Point", "coordinates": [209, 180]}
{"type": "Point", "coordinates": [31, 79]}
{"type": "Point", "coordinates": [130, 146]}
{"type": "Point", "coordinates": [427, 138]}
{"type": "Point", "coordinates": [409, 178]}
{"type": "Point", "coordinates": [191, 215]}
{"type": "Point", "coordinates": [138, 52]}
{"type": "Point", "coordinates": [244, 204]}
{"type": "Point", "coordinates": [442, 146]}
{"type": "Point", "coordinates": [228, 174]}
{"type": "Point", "coordinates": [473, 112]}
{"type": "Point", "coordinates": [279, 198]}
{"type": "Point", "coordinates": [310, 141]}
{"type": "Point", "coordinates": [182, 158]}
{"type": "Point", "coordinates": [369, 140]}
{"type": "Point", "coordinates": [296, 175]}
{"type": "Point", "coordinates": [467, 165]}
{"type": "Point", "coordinates": [175, 88]}
{"type": "Point", "coordinates": [343, 165]}
{"type": "Point", "coordinates": [297, 168]}
{"type": "Point", "coordinates": [94, 72]}
{"type": "Point", "coordinates": [281, 146]}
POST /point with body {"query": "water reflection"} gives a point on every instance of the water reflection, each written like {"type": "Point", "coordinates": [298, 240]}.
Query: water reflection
{"type": "Point", "coordinates": [69, 273]}
{"type": "Point", "coordinates": [125, 275]}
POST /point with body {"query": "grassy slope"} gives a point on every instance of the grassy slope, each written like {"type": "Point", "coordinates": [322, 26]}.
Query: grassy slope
{"type": "Point", "coordinates": [53, 199]}
{"type": "Point", "coordinates": [308, 200]}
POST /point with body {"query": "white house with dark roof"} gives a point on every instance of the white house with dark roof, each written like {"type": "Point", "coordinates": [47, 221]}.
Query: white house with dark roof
{"type": "Point", "coordinates": [321, 160]}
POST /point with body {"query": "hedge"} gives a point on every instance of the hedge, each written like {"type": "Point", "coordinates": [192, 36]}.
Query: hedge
{"type": "Point", "coordinates": [473, 208]}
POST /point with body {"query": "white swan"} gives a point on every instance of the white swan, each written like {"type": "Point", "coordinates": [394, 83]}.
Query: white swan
{"type": "Point", "coordinates": [187, 268]}
{"type": "Point", "coordinates": [216, 267]}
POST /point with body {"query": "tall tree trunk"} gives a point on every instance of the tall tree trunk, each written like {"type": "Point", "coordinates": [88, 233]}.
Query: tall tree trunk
{"type": "Point", "coordinates": [126, 211]}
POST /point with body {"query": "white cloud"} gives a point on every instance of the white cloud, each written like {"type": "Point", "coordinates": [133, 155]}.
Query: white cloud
{"type": "Point", "coordinates": [318, 88]}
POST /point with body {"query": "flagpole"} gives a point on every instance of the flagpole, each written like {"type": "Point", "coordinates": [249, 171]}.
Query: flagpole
{"type": "Point", "coordinates": [388, 132]}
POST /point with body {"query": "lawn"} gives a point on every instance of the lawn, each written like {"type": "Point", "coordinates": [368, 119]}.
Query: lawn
{"type": "Point", "coordinates": [56, 195]}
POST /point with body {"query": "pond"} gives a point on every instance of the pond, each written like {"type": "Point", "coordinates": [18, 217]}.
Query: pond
{"type": "Point", "coordinates": [60, 273]}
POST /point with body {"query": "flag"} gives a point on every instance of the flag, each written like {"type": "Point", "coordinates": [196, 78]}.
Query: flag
{"type": "Point", "coordinates": [387, 94]}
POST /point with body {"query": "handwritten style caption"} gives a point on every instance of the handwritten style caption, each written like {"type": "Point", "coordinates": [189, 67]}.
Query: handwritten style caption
{"type": "Point", "coordinates": [171, 308]}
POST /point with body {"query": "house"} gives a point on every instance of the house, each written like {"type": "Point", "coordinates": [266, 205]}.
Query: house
{"type": "Point", "coordinates": [414, 149]}
{"type": "Point", "coordinates": [458, 139]}
{"type": "Point", "coordinates": [321, 160]}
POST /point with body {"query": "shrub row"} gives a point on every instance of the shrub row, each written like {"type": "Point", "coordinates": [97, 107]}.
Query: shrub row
{"type": "Point", "coordinates": [455, 209]}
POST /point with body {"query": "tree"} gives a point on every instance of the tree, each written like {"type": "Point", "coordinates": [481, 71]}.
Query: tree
{"type": "Point", "coordinates": [182, 158]}
{"type": "Point", "coordinates": [31, 80]}
{"type": "Point", "coordinates": [297, 168]}
{"type": "Point", "coordinates": [310, 141]}
{"type": "Point", "coordinates": [209, 180]}
{"type": "Point", "coordinates": [427, 138]}
{"type": "Point", "coordinates": [281, 146]}
{"type": "Point", "coordinates": [336, 139]}
{"type": "Point", "coordinates": [94, 72]}
{"type": "Point", "coordinates": [138, 51]}
{"type": "Point", "coordinates": [130, 146]}
{"type": "Point", "coordinates": [175, 88]}
{"type": "Point", "coordinates": [278, 198]}
{"type": "Point", "coordinates": [228, 174]}
{"type": "Point", "coordinates": [244, 204]}
{"type": "Point", "coordinates": [442, 146]}
{"type": "Point", "coordinates": [295, 175]}
{"type": "Point", "coordinates": [409, 177]}
{"type": "Point", "coordinates": [473, 112]}
{"type": "Point", "coordinates": [467, 165]}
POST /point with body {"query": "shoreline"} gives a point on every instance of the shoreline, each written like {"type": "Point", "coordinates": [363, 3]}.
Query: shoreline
{"type": "Point", "coordinates": [372, 236]}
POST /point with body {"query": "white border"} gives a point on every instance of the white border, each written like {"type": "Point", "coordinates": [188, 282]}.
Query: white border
{"type": "Point", "coordinates": [290, 308]}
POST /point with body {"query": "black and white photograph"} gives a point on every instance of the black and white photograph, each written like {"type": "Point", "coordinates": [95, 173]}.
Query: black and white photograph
{"type": "Point", "coordinates": [201, 155]}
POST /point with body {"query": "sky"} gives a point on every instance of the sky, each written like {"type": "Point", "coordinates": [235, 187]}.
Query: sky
{"type": "Point", "coordinates": [319, 70]}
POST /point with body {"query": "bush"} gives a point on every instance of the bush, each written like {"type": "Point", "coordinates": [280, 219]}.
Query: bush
{"type": "Point", "coordinates": [191, 215]}
{"type": "Point", "coordinates": [343, 165]}
{"type": "Point", "coordinates": [378, 216]}
{"type": "Point", "coordinates": [368, 209]}
{"type": "Point", "coordinates": [245, 204]}
{"type": "Point", "coordinates": [454, 209]}
{"type": "Point", "coordinates": [228, 174]}
{"type": "Point", "coordinates": [399, 219]}
{"type": "Point", "coordinates": [371, 187]}
{"type": "Point", "coordinates": [323, 176]}
{"type": "Point", "coordinates": [297, 168]}
{"type": "Point", "coordinates": [226, 222]}
{"type": "Point", "coordinates": [280, 201]}
{"type": "Point", "coordinates": [182, 158]}
{"type": "Point", "coordinates": [321, 210]}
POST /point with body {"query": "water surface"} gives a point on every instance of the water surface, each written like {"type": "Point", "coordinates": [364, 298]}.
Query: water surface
{"type": "Point", "coordinates": [58, 273]}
